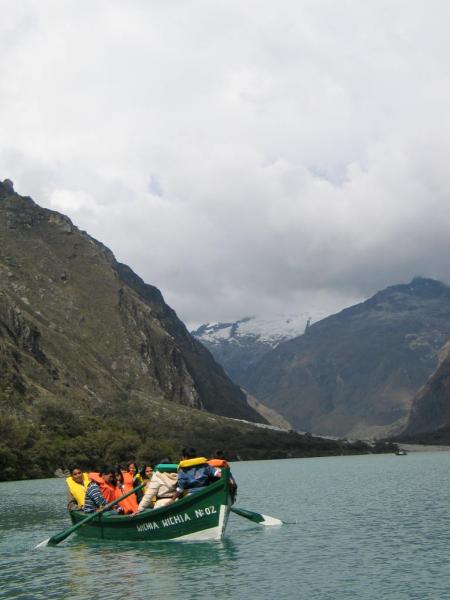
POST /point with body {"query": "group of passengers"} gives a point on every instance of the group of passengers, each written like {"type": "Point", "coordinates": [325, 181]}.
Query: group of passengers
{"type": "Point", "coordinates": [163, 485]}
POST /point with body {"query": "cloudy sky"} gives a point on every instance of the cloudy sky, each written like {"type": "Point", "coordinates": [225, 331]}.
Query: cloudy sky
{"type": "Point", "coordinates": [245, 157]}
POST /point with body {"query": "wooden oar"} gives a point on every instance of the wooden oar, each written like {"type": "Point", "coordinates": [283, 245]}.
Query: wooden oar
{"type": "Point", "coordinates": [257, 517]}
{"type": "Point", "coordinates": [59, 537]}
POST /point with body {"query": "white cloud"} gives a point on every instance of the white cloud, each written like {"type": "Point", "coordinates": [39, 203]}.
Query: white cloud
{"type": "Point", "coordinates": [244, 157]}
{"type": "Point", "coordinates": [73, 202]}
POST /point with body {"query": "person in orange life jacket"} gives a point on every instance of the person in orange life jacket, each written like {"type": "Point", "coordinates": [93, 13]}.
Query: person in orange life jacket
{"type": "Point", "coordinates": [129, 504]}
{"type": "Point", "coordinates": [194, 473]}
{"type": "Point", "coordinates": [101, 490]}
{"type": "Point", "coordinates": [218, 461]}
{"type": "Point", "coordinates": [131, 477]}
{"type": "Point", "coordinates": [77, 484]}
{"type": "Point", "coordinates": [106, 481]}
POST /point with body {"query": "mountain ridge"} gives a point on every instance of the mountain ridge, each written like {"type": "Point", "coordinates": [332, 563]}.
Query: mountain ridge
{"type": "Point", "coordinates": [355, 373]}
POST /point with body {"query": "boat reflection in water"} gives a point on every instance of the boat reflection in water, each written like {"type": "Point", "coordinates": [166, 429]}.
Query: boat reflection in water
{"type": "Point", "coordinates": [133, 566]}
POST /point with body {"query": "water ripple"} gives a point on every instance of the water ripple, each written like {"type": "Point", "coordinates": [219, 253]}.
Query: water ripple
{"type": "Point", "coordinates": [368, 528]}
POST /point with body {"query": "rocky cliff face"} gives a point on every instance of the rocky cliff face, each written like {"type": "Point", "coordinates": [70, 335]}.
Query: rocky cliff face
{"type": "Point", "coordinates": [431, 405]}
{"type": "Point", "coordinates": [355, 373]}
{"type": "Point", "coordinates": [75, 323]}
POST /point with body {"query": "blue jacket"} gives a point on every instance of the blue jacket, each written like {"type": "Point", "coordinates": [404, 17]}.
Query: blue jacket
{"type": "Point", "coordinates": [193, 479]}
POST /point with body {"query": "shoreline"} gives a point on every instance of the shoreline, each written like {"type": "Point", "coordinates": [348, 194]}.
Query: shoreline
{"type": "Point", "coordinates": [423, 448]}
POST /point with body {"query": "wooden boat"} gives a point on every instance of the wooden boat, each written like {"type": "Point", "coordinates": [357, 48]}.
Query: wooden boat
{"type": "Point", "coordinates": [203, 515]}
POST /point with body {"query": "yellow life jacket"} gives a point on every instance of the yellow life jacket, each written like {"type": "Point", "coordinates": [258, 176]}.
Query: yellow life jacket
{"type": "Point", "coordinates": [192, 462]}
{"type": "Point", "coordinates": [78, 490]}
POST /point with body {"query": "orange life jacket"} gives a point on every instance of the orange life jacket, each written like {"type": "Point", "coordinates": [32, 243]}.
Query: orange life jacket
{"type": "Point", "coordinates": [218, 463]}
{"type": "Point", "coordinates": [127, 481]}
{"type": "Point", "coordinates": [107, 489]}
{"type": "Point", "coordinates": [129, 504]}
{"type": "Point", "coordinates": [111, 493]}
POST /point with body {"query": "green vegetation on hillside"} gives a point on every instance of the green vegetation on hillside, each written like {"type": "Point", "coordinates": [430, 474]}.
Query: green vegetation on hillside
{"type": "Point", "coordinates": [56, 436]}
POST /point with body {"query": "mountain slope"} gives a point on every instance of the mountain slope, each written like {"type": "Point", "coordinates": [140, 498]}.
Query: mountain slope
{"type": "Point", "coordinates": [91, 326]}
{"type": "Point", "coordinates": [355, 373]}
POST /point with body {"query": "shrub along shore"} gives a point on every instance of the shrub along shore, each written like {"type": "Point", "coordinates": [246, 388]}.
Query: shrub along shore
{"type": "Point", "coordinates": [53, 436]}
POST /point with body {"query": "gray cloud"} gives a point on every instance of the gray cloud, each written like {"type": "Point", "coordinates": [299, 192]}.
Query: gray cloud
{"type": "Point", "coordinates": [244, 157]}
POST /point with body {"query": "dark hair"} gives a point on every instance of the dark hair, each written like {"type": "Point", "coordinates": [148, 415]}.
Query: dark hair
{"type": "Point", "coordinates": [142, 471]}
{"type": "Point", "coordinates": [219, 454]}
{"type": "Point", "coordinates": [107, 469]}
{"type": "Point", "coordinates": [189, 452]}
{"type": "Point", "coordinates": [74, 466]}
{"type": "Point", "coordinates": [132, 462]}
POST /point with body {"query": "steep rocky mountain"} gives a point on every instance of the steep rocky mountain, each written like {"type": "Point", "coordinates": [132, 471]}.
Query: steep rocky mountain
{"type": "Point", "coordinates": [355, 373]}
{"type": "Point", "coordinates": [238, 346]}
{"type": "Point", "coordinates": [75, 321]}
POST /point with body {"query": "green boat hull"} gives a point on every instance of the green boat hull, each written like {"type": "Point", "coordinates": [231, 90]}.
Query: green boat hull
{"type": "Point", "coordinates": [201, 516]}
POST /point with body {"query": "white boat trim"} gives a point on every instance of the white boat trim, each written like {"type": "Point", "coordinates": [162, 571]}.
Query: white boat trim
{"type": "Point", "coordinates": [223, 518]}
{"type": "Point", "coordinates": [213, 533]}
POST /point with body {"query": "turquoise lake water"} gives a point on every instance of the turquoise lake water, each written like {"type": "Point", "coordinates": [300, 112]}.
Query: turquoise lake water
{"type": "Point", "coordinates": [365, 527]}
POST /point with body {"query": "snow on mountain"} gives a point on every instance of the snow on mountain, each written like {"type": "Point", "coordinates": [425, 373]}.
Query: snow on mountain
{"type": "Point", "coordinates": [267, 331]}
{"type": "Point", "coordinates": [238, 346]}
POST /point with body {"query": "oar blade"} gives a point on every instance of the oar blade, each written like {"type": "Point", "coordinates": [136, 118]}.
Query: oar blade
{"type": "Point", "coordinates": [270, 521]}
{"type": "Point", "coordinates": [56, 539]}
{"type": "Point", "coordinates": [258, 518]}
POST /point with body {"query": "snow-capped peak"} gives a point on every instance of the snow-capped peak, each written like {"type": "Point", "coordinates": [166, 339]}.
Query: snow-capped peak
{"type": "Point", "coordinates": [270, 331]}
